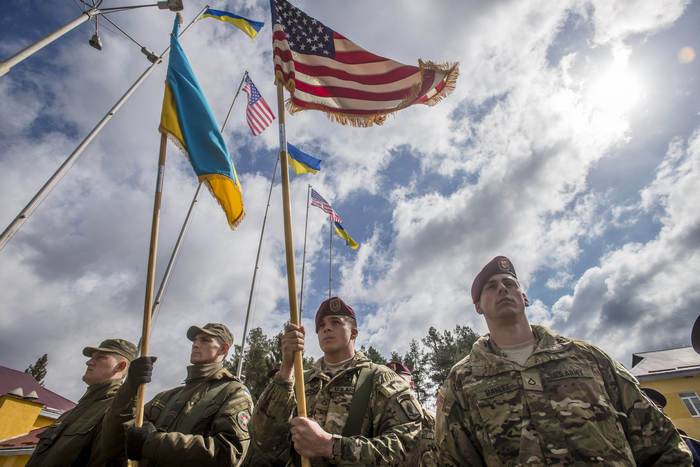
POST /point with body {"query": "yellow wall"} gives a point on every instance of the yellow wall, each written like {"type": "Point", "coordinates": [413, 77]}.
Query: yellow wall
{"type": "Point", "coordinates": [43, 421]}
{"type": "Point", "coordinates": [17, 416]}
{"type": "Point", "coordinates": [675, 409]}
{"type": "Point", "coordinates": [14, 461]}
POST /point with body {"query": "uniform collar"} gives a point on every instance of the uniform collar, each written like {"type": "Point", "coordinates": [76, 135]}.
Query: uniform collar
{"type": "Point", "coordinates": [101, 390]}
{"type": "Point", "coordinates": [360, 360]}
{"type": "Point", "coordinates": [204, 371]}
{"type": "Point", "coordinates": [488, 360]}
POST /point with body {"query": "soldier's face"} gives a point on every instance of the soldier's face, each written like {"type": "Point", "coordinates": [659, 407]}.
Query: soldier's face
{"type": "Point", "coordinates": [103, 367]}
{"type": "Point", "coordinates": [335, 333]}
{"type": "Point", "coordinates": [501, 298]}
{"type": "Point", "coordinates": [207, 349]}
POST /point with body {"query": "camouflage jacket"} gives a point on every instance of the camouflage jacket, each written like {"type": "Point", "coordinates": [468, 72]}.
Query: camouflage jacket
{"type": "Point", "coordinates": [569, 404]}
{"type": "Point", "coordinates": [389, 427]}
{"type": "Point", "coordinates": [425, 452]}
{"type": "Point", "coordinates": [203, 423]}
{"type": "Point", "coordinates": [76, 437]}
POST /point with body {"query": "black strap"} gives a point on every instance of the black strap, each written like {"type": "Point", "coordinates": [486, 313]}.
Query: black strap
{"type": "Point", "coordinates": [360, 401]}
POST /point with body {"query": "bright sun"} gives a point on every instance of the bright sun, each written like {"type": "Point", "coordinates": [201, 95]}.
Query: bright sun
{"type": "Point", "coordinates": [616, 90]}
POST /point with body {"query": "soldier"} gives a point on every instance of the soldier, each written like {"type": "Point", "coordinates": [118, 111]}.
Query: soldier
{"type": "Point", "coordinates": [526, 396]}
{"type": "Point", "coordinates": [425, 454]}
{"type": "Point", "coordinates": [76, 437]}
{"type": "Point", "coordinates": [359, 413]}
{"type": "Point", "coordinates": [203, 423]}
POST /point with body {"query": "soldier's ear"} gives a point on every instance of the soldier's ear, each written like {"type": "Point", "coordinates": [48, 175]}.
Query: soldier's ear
{"type": "Point", "coordinates": [224, 348]}
{"type": "Point", "coordinates": [525, 299]}
{"type": "Point", "coordinates": [121, 366]}
{"type": "Point", "coordinates": [353, 333]}
{"type": "Point", "coordinates": [478, 308]}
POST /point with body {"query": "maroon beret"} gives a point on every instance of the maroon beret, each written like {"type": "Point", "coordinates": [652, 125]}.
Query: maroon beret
{"type": "Point", "coordinates": [332, 307]}
{"type": "Point", "coordinates": [498, 265]}
{"type": "Point", "coordinates": [399, 368]}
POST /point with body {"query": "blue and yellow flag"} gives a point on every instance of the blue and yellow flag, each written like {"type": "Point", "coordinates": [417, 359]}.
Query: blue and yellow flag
{"type": "Point", "coordinates": [342, 233]}
{"type": "Point", "coordinates": [246, 25]}
{"type": "Point", "coordinates": [301, 162]}
{"type": "Point", "coordinates": [187, 118]}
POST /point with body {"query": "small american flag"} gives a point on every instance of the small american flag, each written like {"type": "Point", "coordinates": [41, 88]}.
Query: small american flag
{"type": "Point", "coordinates": [257, 113]}
{"type": "Point", "coordinates": [318, 201]}
{"type": "Point", "coordinates": [326, 71]}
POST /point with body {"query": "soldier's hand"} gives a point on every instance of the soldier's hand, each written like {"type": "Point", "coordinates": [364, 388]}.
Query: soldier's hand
{"type": "Point", "coordinates": [292, 341]}
{"type": "Point", "coordinates": [310, 440]}
{"type": "Point", "coordinates": [140, 371]}
{"type": "Point", "coordinates": [135, 438]}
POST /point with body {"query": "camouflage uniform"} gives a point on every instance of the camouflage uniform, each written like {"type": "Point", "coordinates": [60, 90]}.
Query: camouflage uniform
{"type": "Point", "coordinates": [425, 454]}
{"type": "Point", "coordinates": [71, 439]}
{"type": "Point", "coordinates": [569, 404]}
{"type": "Point", "coordinates": [389, 428]}
{"type": "Point", "coordinates": [203, 423]}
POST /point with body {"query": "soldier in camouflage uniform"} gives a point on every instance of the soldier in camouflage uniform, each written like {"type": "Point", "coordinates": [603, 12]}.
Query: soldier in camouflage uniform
{"type": "Point", "coordinates": [76, 437]}
{"type": "Point", "coordinates": [203, 423]}
{"type": "Point", "coordinates": [526, 396]}
{"type": "Point", "coordinates": [425, 454]}
{"type": "Point", "coordinates": [339, 430]}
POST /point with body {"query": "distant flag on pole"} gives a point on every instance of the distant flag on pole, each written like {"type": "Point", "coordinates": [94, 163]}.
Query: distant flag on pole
{"type": "Point", "coordinates": [301, 162]}
{"type": "Point", "coordinates": [248, 26]}
{"type": "Point", "coordinates": [257, 113]}
{"type": "Point", "coordinates": [342, 233]}
{"type": "Point", "coordinates": [324, 70]}
{"type": "Point", "coordinates": [318, 201]}
{"type": "Point", "coordinates": [187, 118]}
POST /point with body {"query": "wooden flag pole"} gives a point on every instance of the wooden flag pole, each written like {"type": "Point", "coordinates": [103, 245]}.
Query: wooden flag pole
{"type": "Point", "coordinates": [151, 271]}
{"type": "Point", "coordinates": [289, 250]}
{"type": "Point", "coordinates": [303, 256]}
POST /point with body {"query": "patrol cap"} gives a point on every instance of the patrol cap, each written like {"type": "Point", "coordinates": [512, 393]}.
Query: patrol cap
{"type": "Point", "coordinates": [334, 306]}
{"type": "Point", "coordinates": [695, 335]}
{"type": "Point", "coordinates": [118, 346]}
{"type": "Point", "coordinates": [498, 265]}
{"type": "Point", "coordinates": [655, 396]}
{"type": "Point", "coordinates": [399, 368]}
{"type": "Point", "coordinates": [213, 329]}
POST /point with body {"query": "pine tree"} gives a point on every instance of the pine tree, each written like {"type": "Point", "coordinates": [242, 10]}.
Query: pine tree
{"type": "Point", "coordinates": [373, 354]}
{"type": "Point", "coordinates": [415, 360]}
{"type": "Point", "coordinates": [39, 369]}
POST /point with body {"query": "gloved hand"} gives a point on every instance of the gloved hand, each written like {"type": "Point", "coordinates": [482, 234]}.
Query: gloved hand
{"type": "Point", "coordinates": [135, 437]}
{"type": "Point", "coordinates": [140, 371]}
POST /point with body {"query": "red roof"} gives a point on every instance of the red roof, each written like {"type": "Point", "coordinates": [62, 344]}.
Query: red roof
{"type": "Point", "coordinates": [12, 379]}
{"type": "Point", "coordinates": [26, 440]}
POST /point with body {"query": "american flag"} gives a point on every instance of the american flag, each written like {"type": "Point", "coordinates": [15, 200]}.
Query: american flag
{"type": "Point", "coordinates": [325, 71]}
{"type": "Point", "coordinates": [318, 201]}
{"type": "Point", "coordinates": [257, 113]}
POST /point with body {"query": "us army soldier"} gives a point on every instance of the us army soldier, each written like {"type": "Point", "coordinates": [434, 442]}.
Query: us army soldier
{"type": "Point", "coordinates": [359, 413]}
{"type": "Point", "coordinates": [203, 423]}
{"type": "Point", "coordinates": [526, 396]}
{"type": "Point", "coordinates": [425, 453]}
{"type": "Point", "coordinates": [76, 437]}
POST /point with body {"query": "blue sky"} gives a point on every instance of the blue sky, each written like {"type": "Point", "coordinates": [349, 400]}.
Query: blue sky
{"type": "Point", "coordinates": [570, 145]}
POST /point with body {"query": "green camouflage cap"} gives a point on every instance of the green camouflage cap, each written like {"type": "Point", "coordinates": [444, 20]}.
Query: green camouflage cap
{"type": "Point", "coordinates": [118, 346]}
{"type": "Point", "coordinates": [213, 329]}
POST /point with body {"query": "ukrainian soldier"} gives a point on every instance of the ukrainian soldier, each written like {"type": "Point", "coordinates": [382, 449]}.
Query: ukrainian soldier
{"type": "Point", "coordinates": [359, 413]}
{"type": "Point", "coordinates": [425, 453]}
{"type": "Point", "coordinates": [76, 437]}
{"type": "Point", "coordinates": [527, 396]}
{"type": "Point", "coordinates": [203, 423]}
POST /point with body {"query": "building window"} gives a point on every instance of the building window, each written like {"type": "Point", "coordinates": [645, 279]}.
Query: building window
{"type": "Point", "coordinates": [692, 403]}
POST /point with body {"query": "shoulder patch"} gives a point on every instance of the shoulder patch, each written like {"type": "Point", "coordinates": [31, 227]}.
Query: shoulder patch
{"type": "Point", "coordinates": [242, 419]}
{"type": "Point", "coordinates": [410, 407]}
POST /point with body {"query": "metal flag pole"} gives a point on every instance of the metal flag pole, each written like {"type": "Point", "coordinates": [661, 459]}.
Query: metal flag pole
{"type": "Point", "coordinates": [330, 254]}
{"type": "Point", "coordinates": [151, 270]}
{"type": "Point", "coordinates": [239, 368]}
{"type": "Point", "coordinates": [6, 65]}
{"type": "Point", "coordinates": [303, 256]}
{"type": "Point", "coordinates": [289, 253]}
{"type": "Point", "coordinates": [178, 243]}
{"type": "Point", "coordinates": [44, 191]}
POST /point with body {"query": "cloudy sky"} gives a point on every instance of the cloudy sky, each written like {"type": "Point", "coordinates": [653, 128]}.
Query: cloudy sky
{"type": "Point", "coordinates": [571, 144]}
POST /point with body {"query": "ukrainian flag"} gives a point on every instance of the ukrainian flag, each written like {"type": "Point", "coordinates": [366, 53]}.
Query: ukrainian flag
{"type": "Point", "coordinates": [246, 25]}
{"type": "Point", "coordinates": [187, 118]}
{"type": "Point", "coordinates": [301, 162]}
{"type": "Point", "coordinates": [342, 233]}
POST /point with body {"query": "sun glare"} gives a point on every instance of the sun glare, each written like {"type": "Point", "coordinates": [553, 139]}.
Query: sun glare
{"type": "Point", "coordinates": [616, 90]}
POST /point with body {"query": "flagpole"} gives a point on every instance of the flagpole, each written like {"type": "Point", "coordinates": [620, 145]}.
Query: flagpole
{"type": "Point", "coordinates": [151, 271]}
{"type": "Point", "coordinates": [44, 191]}
{"type": "Point", "coordinates": [178, 243]}
{"type": "Point", "coordinates": [330, 253]}
{"type": "Point", "coordinates": [289, 252]}
{"type": "Point", "coordinates": [303, 256]}
{"type": "Point", "coordinates": [239, 368]}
